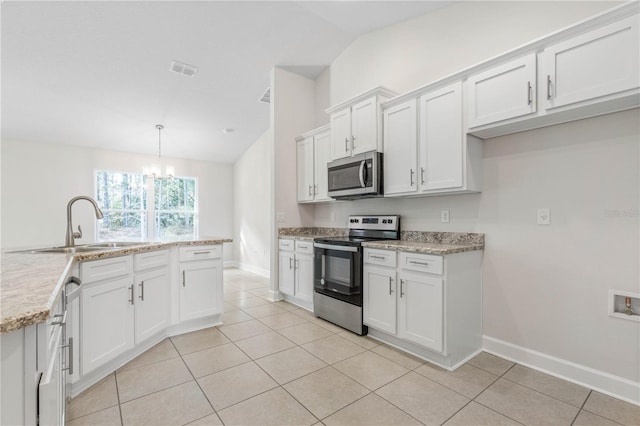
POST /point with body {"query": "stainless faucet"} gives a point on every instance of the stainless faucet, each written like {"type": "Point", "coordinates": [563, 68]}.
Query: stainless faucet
{"type": "Point", "coordinates": [71, 236]}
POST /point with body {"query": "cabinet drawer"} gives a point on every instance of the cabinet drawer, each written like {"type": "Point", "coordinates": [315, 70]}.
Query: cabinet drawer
{"type": "Point", "coordinates": [98, 270]}
{"type": "Point", "coordinates": [421, 262]}
{"type": "Point", "coordinates": [380, 257]}
{"type": "Point", "coordinates": [152, 259]}
{"type": "Point", "coordinates": [200, 253]}
{"type": "Point", "coordinates": [304, 247]}
{"type": "Point", "coordinates": [285, 244]}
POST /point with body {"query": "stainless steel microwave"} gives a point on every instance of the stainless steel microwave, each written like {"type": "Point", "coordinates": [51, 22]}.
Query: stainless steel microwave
{"type": "Point", "coordinates": [356, 177]}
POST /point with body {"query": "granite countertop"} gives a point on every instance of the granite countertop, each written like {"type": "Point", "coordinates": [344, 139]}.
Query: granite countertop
{"type": "Point", "coordinates": [31, 282]}
{"type": "Point", "coordinates": [423, 247]}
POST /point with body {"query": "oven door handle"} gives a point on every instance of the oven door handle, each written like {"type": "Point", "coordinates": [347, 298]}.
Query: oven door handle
{"type": "Point", "coordinates": [336, 248]}
{"type": "Point", "coordinates": [361, 173]}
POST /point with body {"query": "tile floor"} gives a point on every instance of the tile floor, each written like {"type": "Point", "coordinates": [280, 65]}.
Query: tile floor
{"type": "Point", "coordinates": [276, 364]}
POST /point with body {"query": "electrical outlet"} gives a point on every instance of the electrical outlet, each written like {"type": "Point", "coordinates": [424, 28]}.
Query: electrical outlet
{"type": "Point", "coordinates": [444, 216]}
{"type": "Point", "coordinates": [280, 217]}
{"type": "Point", "coordinates": [544, 217]}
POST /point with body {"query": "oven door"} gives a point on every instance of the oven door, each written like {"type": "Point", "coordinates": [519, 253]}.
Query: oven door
{"type": "Point", "coordinates": [338, 272]}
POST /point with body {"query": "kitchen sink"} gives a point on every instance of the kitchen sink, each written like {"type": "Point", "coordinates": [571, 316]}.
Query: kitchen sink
{"type": "Point", "coordinates": [85, 247]}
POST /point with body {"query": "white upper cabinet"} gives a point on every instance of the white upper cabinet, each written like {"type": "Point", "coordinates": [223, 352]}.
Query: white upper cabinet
{"type": "Point", "coordinates": [599, 63]}
{"type": "Point", "coordinates": [400, 148]}
{"type": "Point", "coordinates": [313, 154]}
{"type": "Point", "coordinates": [356, 125]}
{"type": "Point", "coordinates": [502, 92]}
{"type": "Point", "coordinates": [442, 153]}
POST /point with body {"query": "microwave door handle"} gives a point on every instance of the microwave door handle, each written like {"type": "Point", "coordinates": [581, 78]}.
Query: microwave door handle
{"type": "Point", "coordinates": [361, 173]}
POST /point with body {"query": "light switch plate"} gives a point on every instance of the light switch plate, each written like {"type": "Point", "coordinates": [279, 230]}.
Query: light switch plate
{"type": "Point", "coordinates": [444, 216]}
{"type": "Point", "coordinates": [544, 217]}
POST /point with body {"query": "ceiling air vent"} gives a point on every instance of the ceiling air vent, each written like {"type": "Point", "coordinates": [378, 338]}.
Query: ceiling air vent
{"type": "Point", "coordinates": [183, 69]}
{"type": "Point", "coordinates": [266, 98]}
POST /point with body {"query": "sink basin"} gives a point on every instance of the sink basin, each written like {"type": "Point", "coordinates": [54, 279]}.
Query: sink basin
{"type": "Point", "coordinates": [86, 247]}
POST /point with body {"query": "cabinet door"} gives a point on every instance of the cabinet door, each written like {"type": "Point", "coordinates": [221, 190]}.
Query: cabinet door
{"type": "Point", "coordinates": [305, 170]}
{"type": "Point", "coordinates": [441, 143]}
{"type": "Point", "coordinates": [322, 155]}
{"type": "Point", "coordinates": [304, 277]}
{"type": "Point", "coordinates": [420, 313]}
{"type": "Point", "coordinates": [341, 134]}
{"type": "Point", "coordinates": [287, 273]}
{"type": "Point", "coordinates": [200, 289]}
{"type": "Point", "coordinates": [152, 302]}
{"type": "Point", "coordinates": [364, 126]}
{"type": "Point", "coordinates": [379, 298]}
{"type": "Point", "coordinates": [506, 91]}
{"type": "Point", "coordinates": [400, 149]}
{"type": "Point", "coordinates": [107, 321]}
{"type": "Point", "coordinates": [598, 63]}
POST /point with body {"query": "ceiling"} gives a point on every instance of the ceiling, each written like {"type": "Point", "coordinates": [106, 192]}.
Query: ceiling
{"type": "Point", "coordinates": [96, 73]}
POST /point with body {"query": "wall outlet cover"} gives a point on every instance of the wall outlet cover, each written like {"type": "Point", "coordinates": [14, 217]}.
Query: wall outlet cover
{"type": "Point", "coordinates": [444, 216]}
{"type": "Point", "coordinates": [544, 217]}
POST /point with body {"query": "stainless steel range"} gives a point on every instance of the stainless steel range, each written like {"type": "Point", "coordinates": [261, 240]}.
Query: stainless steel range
{"type": "Point", "coordinates": [338, 263]}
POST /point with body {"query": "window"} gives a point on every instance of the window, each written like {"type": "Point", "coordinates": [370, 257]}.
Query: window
{"type": "Point", "coordinates": [136, 208]}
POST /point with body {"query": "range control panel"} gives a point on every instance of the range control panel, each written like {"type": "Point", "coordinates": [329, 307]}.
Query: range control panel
{"type": "Point", "coordinates": [383, 223]}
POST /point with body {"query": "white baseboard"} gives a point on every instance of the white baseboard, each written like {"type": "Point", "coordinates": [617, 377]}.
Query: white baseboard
{"type": "Point", "coordinates": [246, 267]}
{"type": "Point", "coordinates": [617, 387]}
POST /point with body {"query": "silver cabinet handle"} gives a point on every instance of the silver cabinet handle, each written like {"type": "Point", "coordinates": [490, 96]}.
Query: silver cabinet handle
{"type": "Point", "coordinates": [529, 98]}
{"type": "Point", "coordinates": [202, 252]}
{"type": "Point", "coordinates": [422, 175]}
{"type": "Point", "coordinates": [413, 262]}
{"type": "Point", "coordinates": [548, 87]}
{"type": "Point", "coordinates": [390, 289]}
{"type": "Point", "coordinates": [411, 172]}
{"type": "Point", "coordinates": [401, 290]}
{"type": "Point", "coordinates": [131, 294]}
{"type": "Point", "coordinates": [346, 144]}
{"type": "Point", "coordinates": [141, 285]}
{"type": "Point", "coordinates": [373, 256]}
{"type": "Point", "coordinates": [184, 278]}
{"type": "Point", "coordinates": [70, 346]}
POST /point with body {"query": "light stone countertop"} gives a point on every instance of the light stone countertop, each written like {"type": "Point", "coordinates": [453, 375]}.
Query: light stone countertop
{"type": "Point", "coordinates": [31, 282]}
{"type": "Point", "coordinates": [423, 247]}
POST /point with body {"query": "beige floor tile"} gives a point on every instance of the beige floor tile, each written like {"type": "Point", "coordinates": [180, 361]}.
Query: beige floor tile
{"type": "Point", "coordinates": [290, 364]}
{"type": "Point", "coordinates": [236, 384]}
{"type": "Point", "coordinates": [325, 391]}
{"type": "Point", "coordinates": [364, 341]}
{"type": "Point", "coordinates": [264, 344]}
{"type": "Point", "coordinates": [249, 302]}
{"type": "Point", "coordinates": [210, 420]}
{"type": "Point", "coordinates": [107, 417]}
{"type": "Point", "coordinates": [282, 320]}
{"type": "Point", "coordinates": [333, 348]}
{"type": "Point", "coordinates": [151, 378]}
{"type": "Point", "coordinates": [371, 411]}
{"type": "Point", "coordinates": [586, 418]}
{"type": "Point", "coordinates": [263, 310]}
{"type": "Point", "coordinates": [613, 409]}
{"type": "Point", "coordinates": [400, 357]}
{"type": "Point", "coordinates": [215, 359]}
{"type": "Point", "coordinates": [548, 385]}
{"type": "Point", "coordinates": [199, 340]}
{"type": "Point", "coordinates": [98, 397]}
{"type": "Point", "coordinates": [303, 333]}
{"type": "Point", "coordinates": [371, 370]}
{"type": "Point", "coordinates": [422, 398]}
{"type": "Point", "coordinates": [174, 406]}
{"type": "Point", "coordinates": [479, 415]}
{"type": "Point", "coordinates": [160, 352]}
{"type": "Point", "coordinates": [468, 380]}
{"type": "Point", "coordinates": [525, 405]}
{"type": "Point", "coordinates": [232, 317]}
{"type": "Point", "coordinates": [491, 363]}
{"type": "Point", "coordinates": [245, 329]}
{"type": "Point", "coordinates": [275, 408]}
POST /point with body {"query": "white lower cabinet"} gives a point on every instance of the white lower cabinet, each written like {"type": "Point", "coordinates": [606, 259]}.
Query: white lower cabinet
{"type": "Point", "coordinates": [296, 271]}
{"type": "Point", "coordinates": [428, 305]}
{"type": "Point", "coordinates": [200, 282]}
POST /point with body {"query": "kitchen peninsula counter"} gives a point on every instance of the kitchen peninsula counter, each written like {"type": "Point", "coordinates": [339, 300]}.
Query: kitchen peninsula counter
{"type": "Point", "coordinates": [31, 282]}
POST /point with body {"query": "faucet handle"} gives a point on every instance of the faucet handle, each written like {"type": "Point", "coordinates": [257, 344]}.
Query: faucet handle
{"type": "Point", "coordinates": [79, 233]}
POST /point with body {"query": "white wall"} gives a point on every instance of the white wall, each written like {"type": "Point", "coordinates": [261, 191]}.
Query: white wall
{"type": "Point", "coordinates": [545, 287]}
{"type": "Point", "coordinates": [39, 179]}
{"type": "Point", "coordinates": [252, 207]}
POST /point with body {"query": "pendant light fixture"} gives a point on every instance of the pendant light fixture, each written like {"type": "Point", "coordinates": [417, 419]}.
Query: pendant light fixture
{"type": "Point", "coordinates": [155, 170]}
